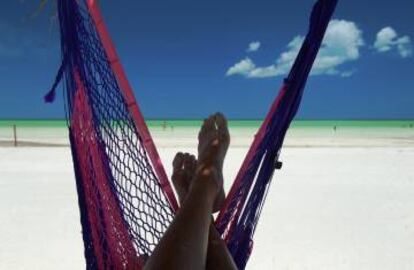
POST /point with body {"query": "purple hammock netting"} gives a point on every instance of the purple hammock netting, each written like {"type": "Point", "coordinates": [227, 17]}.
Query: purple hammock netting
{"type": "Point", "coordinates": [126, 201]}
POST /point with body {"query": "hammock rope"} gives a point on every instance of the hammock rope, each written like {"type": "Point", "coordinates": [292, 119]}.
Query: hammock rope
{"type": "Point", "coordinates": [238, 219]}
{"type": "Point", "coordinates": [125, 199]}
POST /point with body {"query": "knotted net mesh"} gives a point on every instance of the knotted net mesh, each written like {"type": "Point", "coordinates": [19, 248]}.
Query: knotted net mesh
{"type": "Point", "coordinates": [124, 210]}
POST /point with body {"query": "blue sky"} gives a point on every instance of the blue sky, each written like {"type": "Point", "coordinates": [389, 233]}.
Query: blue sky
{"type": "Point", "coordinates": [186, 59]}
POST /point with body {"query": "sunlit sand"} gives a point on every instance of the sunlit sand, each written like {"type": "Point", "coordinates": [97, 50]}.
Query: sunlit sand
{"type": "Point", "coordinates": [344, 199]}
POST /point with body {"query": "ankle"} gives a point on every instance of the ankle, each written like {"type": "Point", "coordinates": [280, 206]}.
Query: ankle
{"type": "Point", "coordinates": [205, 179]}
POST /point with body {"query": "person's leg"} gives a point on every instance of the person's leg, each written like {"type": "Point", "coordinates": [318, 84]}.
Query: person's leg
{"type": "Point", "coordinates": [218, 256]}
{"type": "Point", "coordinates": [184, 244]}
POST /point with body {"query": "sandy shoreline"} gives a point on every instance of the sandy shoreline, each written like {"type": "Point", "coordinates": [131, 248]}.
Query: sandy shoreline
{"type": "Point", "coordinates": [343, 200]}
{"type": "Point", "coordinates": [241, 137]}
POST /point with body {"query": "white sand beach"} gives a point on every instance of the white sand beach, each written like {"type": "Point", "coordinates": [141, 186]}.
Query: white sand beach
{"type": "Point", "coordinates": [343, 200]}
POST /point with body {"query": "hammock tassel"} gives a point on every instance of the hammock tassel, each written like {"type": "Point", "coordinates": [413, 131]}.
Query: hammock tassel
{"type": "Point", "coordinates": [51, 95]}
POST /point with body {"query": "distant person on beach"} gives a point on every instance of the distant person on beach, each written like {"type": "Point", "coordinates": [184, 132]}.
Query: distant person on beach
{"type": "Point", "coordinates": [164, 125]}
{"type": "Point", "coordinates": [192, 241]}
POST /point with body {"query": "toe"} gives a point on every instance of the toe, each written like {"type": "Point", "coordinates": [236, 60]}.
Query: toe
{"type": "Point", "coordinates": [220, 120]}
{"type": "Point", "coordinates": [190, 164]}
{"type": "Point", "coordinates": [203, 129]}
{"type": "Point", "coordinates": [180, 177]}
{"type": "Point", "coordinates": [193, 163]}
{"type": "Point", "coordinates": [187, 161]}
{"type": "Point", "coordinates": [208, 130]}
{"type": "Point", "coordinates": [178, 161]}
{"type": "Point", "coordinates": [210, 123]}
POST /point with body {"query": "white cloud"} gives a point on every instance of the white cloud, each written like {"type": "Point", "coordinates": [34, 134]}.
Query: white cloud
{"type": "Point", "coordinates": [348, 73]}
{"type": "Point", "coordinates": [387, 40]}
{"type": "Point", "coordinates": [384, 40]}
{"type": "Point", "coordinates": [244, 67]}
{"type": "Point", "coordinates": [253, 46]}
{"type": "Point", "coordinates": [342, 43]}
{"type": "Point", "coordinates": [404, 46]}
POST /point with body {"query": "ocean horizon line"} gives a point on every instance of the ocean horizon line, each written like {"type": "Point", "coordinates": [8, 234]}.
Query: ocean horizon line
{"type": "Point", "coordinates": [232, 122]}
{"type": "Point", "coordinates": [230, 119]}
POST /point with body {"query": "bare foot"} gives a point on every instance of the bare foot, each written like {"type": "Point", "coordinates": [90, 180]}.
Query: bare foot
{"type": "Point", "coordinates": [184, 166]}
{"type": "Point", "coordinates": [213, 142]}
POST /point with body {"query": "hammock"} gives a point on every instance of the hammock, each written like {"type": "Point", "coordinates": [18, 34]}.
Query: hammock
{"type": "Point", "coordinates": [125, 199]}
